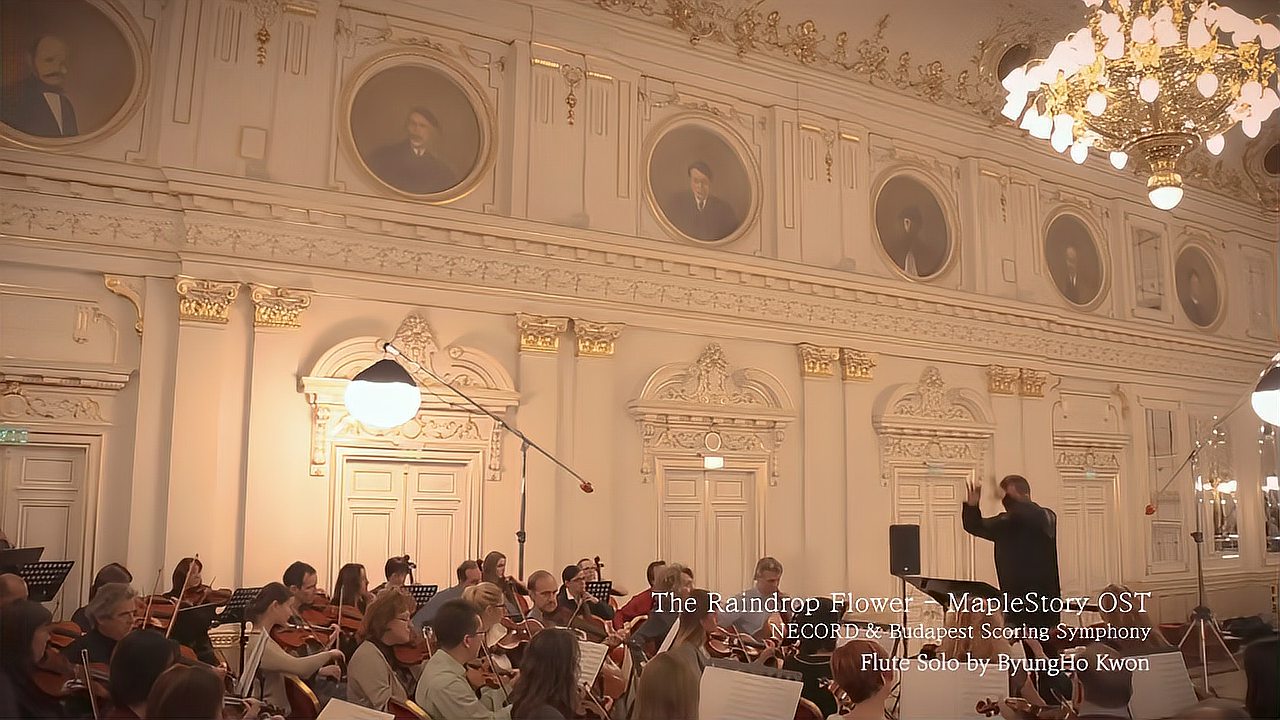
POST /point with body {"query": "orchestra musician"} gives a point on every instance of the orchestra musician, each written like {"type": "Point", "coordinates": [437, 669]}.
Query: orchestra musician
{"type": "Point", "coordinates": [300, 579]}
{"type": "Point", "coordinates": [858, 682]}
{"type": "Point", "coordinates": [494, 570]}
{"type": "Point", "coordinates": [192, 692]}
{"type": "Point", "coordinates": [642, 603]}
{"type": "Point", "coordinates": [1026, 547]}
{"type": "Point", "coordinates": [468, 574]}
{"type": "Point", "coordinates": [696, 622]}
{"type": "Point", "coordinates": [767, 577]}
{"type": "Point", "coordinates": [673, 578]}
{"type": "Point", "coordinates": [352, 587]}
{"type": "Point", "coordinates": [444, 690]}
{"type": "Point", "coordinates": [667, 689]}
{"type": "Point", "coordinates": [24, 637]}
{"type": "Point", "coordinates": [397, 571]}
{"type": "Point", "coordinates": [548, 687]}
{"type": "Point", "coordinates": [112, 612]}
{"type": "Point", "coordinates": [812, 658]}
{"type": "Point", "coordinates": [12, 588]}
{"type": "Point", "coordinates": [194, 633]}
{"type": "Point", "coordinates": [574, 597]}
{"type": "Point", "coordinates": [592, 571]}
{"type": "Point", "coordinates": [109, 573]}
{"type": "Point", "coordinates": [272, 609]}
{"type": "Point", "coordinates": [373, 678]}
{"type": "Point", "coordinates": [543, 589]}
{"type": "Point", "coordinates": [137, 662]}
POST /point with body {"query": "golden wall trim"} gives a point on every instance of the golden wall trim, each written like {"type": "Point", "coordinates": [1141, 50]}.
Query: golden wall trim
{"type": "Point", "coordinates": [276, 307]}
{"type": "Point", "coordinates": [1016, 381]}
{"type": "Point", "coordinates": [540, 334]}
{"type": "Point", "coordinates": [129, 288]}
{"type": "Point", "coordinates": [856, 364]}
{"type": "Point", "coordinates": [596, 339]}
{"type": "Point", "coordinates": [206, 301]}
{"type": "Point", "coordinates": [816, 361]}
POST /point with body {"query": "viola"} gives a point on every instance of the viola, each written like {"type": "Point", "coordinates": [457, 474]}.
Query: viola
{"type": "Point", "coordinates": [414, 652]}
{"type": "Point", "coordinates": [64, 633]}
{"type": "Point", "coordinates": [57, 677]}
{"type": "Point", "coordinates": [302, 640]}
{"type": "Point", "coordinates": [518, 633]}
{"type": "Point", "coordinates": [481, 673]}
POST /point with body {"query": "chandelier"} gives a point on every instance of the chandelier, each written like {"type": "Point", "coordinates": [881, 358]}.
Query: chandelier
{"type": "Point", "coordinates": [1154, 78]}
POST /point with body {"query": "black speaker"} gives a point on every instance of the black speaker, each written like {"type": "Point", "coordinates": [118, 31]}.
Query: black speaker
{"type": "Point", "coordinates": [904, 549]}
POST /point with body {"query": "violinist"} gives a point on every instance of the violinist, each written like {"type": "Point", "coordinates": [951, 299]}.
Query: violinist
{"type": "Point", "coordinates": [192, 692]}
{"type": "Point", "coordinates": [373, 675]}
{"type": "Point", "coordinates": [12, 588]}
{"type": "Point", "coordinates": [591, 568]}
{"type": "Point", "coordinates": [487, 600]}
{"type": "Point", "coordinates": [24, 637]}
{"type": "Point", "coordinates": [696, 622]}
{"type": "Point", "coordinates": [494, 570]}
{"type": "Point", "coordinates": [542, 586]}
{"type": "Point", "coordinates": [187, 586]}
{"type": "Point", "coordinates": [767, 577]}
{"type": "Point", "coordinates": [300, 579]}
{"type": "Point", "coordinates": [138, 660]}
{"type": "Point", "coordinates": [468, 574]}
{"type": "Point", "coordinates": [547, 689]}
{"type": "Point", "coordinates": [677, 580]}
{"type": "Point", "coordinates": [352, 587]}
{"type": "Point", "coordinates": [397, 571]}
{"type": "Point", "coordinates": [641, 604]}
{"type": "Point", "coordinates": [813, 657]}
{"type": "Point", "coordinates": [269, 610]}
{"type": "Point", "coordinates": [867, 690]}
{"type": "Point", "coordinates": [112, 612]}
{"type": "Point", "coordinates": [444, 690]}
{"type": "Point", "coordinates": [109, 573]}
{"type": "Point", "coordinates": [667, 689]}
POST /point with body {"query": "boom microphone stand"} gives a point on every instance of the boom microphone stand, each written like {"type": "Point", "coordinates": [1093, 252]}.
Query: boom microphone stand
{"type": "Point", "coordinates": [525, 444]}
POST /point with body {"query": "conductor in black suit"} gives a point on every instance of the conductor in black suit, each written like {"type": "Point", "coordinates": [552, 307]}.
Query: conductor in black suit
{"type": "Point", "coordinates": [38, 104]}
{"type": "Point", "coordinates": [698, 213]}
{"type": "Point", "coordinates": [410, 165]}
{"type": "Point", "coordinates": [1026, 538]}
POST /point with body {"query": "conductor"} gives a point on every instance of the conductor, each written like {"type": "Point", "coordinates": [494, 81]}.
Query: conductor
{"type": "Point", "coordinates": [1026, 538]}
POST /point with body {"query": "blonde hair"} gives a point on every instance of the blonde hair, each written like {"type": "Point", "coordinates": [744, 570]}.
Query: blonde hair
{"type": "Point", "coordinates": [482, 595]}
{"type": "Point", "coordinates": [668, 690]}
{"type": "Point", "coordinates": [668, 577]}
{"type": "Point", "coordinates": [978, 645]}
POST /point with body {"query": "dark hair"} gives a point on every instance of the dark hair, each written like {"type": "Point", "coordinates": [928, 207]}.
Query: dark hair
{"type": "Point", "coordinates": [454, 621]}
{"type": "Point", "coordinates": [180, 574]}
{"type": "Point", "coordinates": [346, 589]}
{"type": "Point", "coordinates": [570, 572]}
{"type": "Point", "coordinates": [668, 690]}
{"type": "Point", "coordinates": [489, 568]}
{"type": "Point", "coordinates": [396, 566]}
{"type": "Point", "coordinates": [1261, 667]}
{"type": "Point", "coordinates": [297, 573]}
{"type": "Point", "coordinates": [137, 661]}
{"type": "Point", "coordinates": [270, 593]}
{"type": "Point", "coordinates": [426, 114]}
{"type": "Point", "coordinates": [548, 674]}
{"type": "Point", "coordinates": [19, 621]}
{"type": "Point", "coordinates": [653, 568]}
{"type": "Point", "coordinates": [35, 44]}
{"type": "Point", "coordinates": [110, 573]}
{"type": "Point", "coordinates": [1105, 687]}
{"type": "Point", "coordinates": [701, 167]}
{"type": "Point", "coordinates": [824, 613]}
{"type": "Point", "coordinates": [1016, 481]}
{"type": "Point", "coordinates": [694, 608]}
{"type": "Point", "coordinates": [464, 568]}
{"type": "Point", "coordinates": [847, 669]}
{"type": "Point", "coordinates": [184, 692]}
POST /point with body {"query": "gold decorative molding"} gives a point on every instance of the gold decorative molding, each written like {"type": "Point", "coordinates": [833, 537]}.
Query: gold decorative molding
{"type": "Point", "coordinates": [129, 288]}
{"type": "Point", "coordinates": [856, 365]}
{"type": "Point", "coordinates": [539, 333]}
{"type": "Point", "coordinates": [572, 75]}
{"type": "Point", "coordinates": [206, 301]}
{"type": "Point", "coordinates": [1031, 383]}
{"type": "Point", "coordinates": [596, 339]}
{"type": "Point", "coordinates": [1003, 380]}
{"type": "Point", "coordinates": [816, 361]}
{"type": "Point", "coordinates": [276, 307]}
{"type": "Point", "coordinates": [266, 12]}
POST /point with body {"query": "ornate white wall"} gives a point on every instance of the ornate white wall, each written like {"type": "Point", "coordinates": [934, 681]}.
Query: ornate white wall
{"type": "Point", "coordinates": [235, 179]}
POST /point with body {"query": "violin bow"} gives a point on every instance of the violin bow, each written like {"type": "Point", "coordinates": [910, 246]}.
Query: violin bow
{"type": "Point", "coordinates": [484, 650]}
{"type": "Point", "coordinates": [88, 682]}
{"type": "Point", "coordinates": [177, 602]}
{"type": "Point", "coordinates": [146, 616]}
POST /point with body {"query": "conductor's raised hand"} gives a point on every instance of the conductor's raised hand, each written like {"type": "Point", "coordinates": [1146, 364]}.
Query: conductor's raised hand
{"type": "Point", "coordinates": [975, 492]}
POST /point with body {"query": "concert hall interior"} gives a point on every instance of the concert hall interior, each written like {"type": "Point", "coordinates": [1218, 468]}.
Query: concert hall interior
{"type": "Point", "coordinates": [867, 302]}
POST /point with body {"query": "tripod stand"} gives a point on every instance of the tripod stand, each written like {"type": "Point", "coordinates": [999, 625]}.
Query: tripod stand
{"type": "Point", "coordinates": [1202, 621]}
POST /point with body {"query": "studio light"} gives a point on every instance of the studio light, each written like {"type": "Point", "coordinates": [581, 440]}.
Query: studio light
{"type": "Point", "coordinates": [1266, 396]}
{"type": "Point", "coordinates": [383, 395]}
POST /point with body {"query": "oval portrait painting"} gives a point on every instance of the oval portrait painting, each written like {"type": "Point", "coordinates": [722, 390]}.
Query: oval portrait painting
{"type": "Point", "coordinates": [700, 186]}
{"type": "Point", "coordinates": [1197, 286]}
{"type": "Point", "coordinates": [419, 129]}
{"type": "Point", "coordinates": [69, 70]}
{"type": "Point", "coordinates": [1075, 265]}
{"type": "Point", "coordinates": [912, 228]}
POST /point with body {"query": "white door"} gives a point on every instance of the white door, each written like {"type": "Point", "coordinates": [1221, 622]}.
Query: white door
{"type": "Point", "coordinates": [708, 522]}
{"type": "Point", "coordinates": [420, 506]}
{"type": "Point", "coordinates": [1088, 548]}
{"type": "Point", "coordinates": [43, 505]}
{"type": "Point", "coordinates": [932, 501]}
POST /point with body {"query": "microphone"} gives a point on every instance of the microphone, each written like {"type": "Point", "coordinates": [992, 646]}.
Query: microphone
{"type": "Point", "coordinates": [586, 487]}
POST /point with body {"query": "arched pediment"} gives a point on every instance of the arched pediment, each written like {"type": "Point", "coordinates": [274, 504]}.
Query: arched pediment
{"type": "Point", "coordinates": [709, 383]}
{"type": "Point", "coordinates": [932, 424]}
{"type": "Point", "coordinates": [930, 401]}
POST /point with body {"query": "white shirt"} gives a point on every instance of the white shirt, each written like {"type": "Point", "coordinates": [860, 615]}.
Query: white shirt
{"type": "Point", "coordinates": [55, 106]}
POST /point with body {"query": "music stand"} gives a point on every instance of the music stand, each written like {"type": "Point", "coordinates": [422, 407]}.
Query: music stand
{"type": "Point", "coordinates": [233, 612]}
{"type": "Point", "coordinates": [600, 589]}
{"type": "Point", "coordinates": [942, 589]}
{"type": "Point", "coordinates": [421, 594]}
{"type": "Point", "coordinates": [45, 579]}
{"type": "Point", "coordinates": [12, 560]}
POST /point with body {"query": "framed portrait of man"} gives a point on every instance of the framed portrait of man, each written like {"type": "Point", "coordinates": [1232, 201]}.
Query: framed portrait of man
{"type": "Point", "coordinates": [1074, 261]}
{"type": "Point", "coordinates": [701, 181]}
{"type": "Point", "coordinates": [1197, 286]}
{"type": "Point", "coordinates": [912, 228]}
{"type": "Point", "coordinates": [419, 126]}
{"type": "Point", "coordinates": [70, 71]}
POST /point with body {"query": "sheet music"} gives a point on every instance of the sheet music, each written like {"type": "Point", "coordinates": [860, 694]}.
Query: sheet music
{"type": "Point", "coordinates": [253, 656]}
{"type": "Point", "coordinates": [671, 636]}
{"type": "Point", "coordinates": [590, 659]}
{"type": "Point", "coordinates": [730, 695]}
{"type": "Point", "coordinates": [934, 694]}
{"type": "Point", "coordinates": [1162, 691]}
{"type": "Point", "coordinates": [343, 710]}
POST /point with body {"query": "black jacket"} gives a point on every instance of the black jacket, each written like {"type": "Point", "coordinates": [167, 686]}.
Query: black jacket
{"type": "Point", "coordinates": [25, 109]}
{"type": "Point", "coordinates": [1026, 538]}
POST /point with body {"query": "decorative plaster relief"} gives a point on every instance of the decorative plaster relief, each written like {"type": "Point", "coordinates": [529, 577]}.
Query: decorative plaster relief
{"type": "Point", "coordinates": [540, 334]}
{"type": "Point", "coordinates": [856, 365]}
{"type": "Point", "coordinates": [817, 362]}
{"type": "Point", "coordinates": [131, 289]}
{"type": "Point", "coordinates": [277, 307]}
{"type": "Point", "coordinates": [933, 424]}
{"type": "Point", "coordinates": [206, 301]}
{"type": "Point", "coordinates": [596, 339]}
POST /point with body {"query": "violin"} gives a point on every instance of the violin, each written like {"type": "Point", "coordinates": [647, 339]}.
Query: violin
{"type": "Point", "coordinates": [63, 634]}
{"type": "Point", "coordinates": [205, 595]}
{"type": "Point", "coordinates": [56, 676]}
{"type": "Point", "coordinates": [414, 652]}
{"type": "Point", "coordinates": [235, 708]}
{"type": "Point", "coordinates": [481, 674]}
{"type": "Point", "coordinates": [987, 708]}
{"type": "Point", "coordinates": [302, 641]}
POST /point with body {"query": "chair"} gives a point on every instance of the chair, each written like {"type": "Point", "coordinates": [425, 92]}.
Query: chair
{"type": "Point", "coordinates": [407, 710]}
{"type": "Point", "coordinates": [806, 710]}
{"type": "Point", "coordinates": [303, 704]}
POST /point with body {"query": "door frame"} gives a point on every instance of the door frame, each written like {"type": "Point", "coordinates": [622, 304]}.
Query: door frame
{"type": "Point", "coordinates": [91, 443]}
{"type": "Point", "coordinates": [475, 452]}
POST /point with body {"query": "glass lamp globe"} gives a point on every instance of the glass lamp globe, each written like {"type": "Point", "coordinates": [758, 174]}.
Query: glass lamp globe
{"type": "Point", "coordinates": [1165, 197]}
{"type": "Point", "coordinates": [383, 395]}
{"type": "Point", "coordinates": [1266, 396]}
